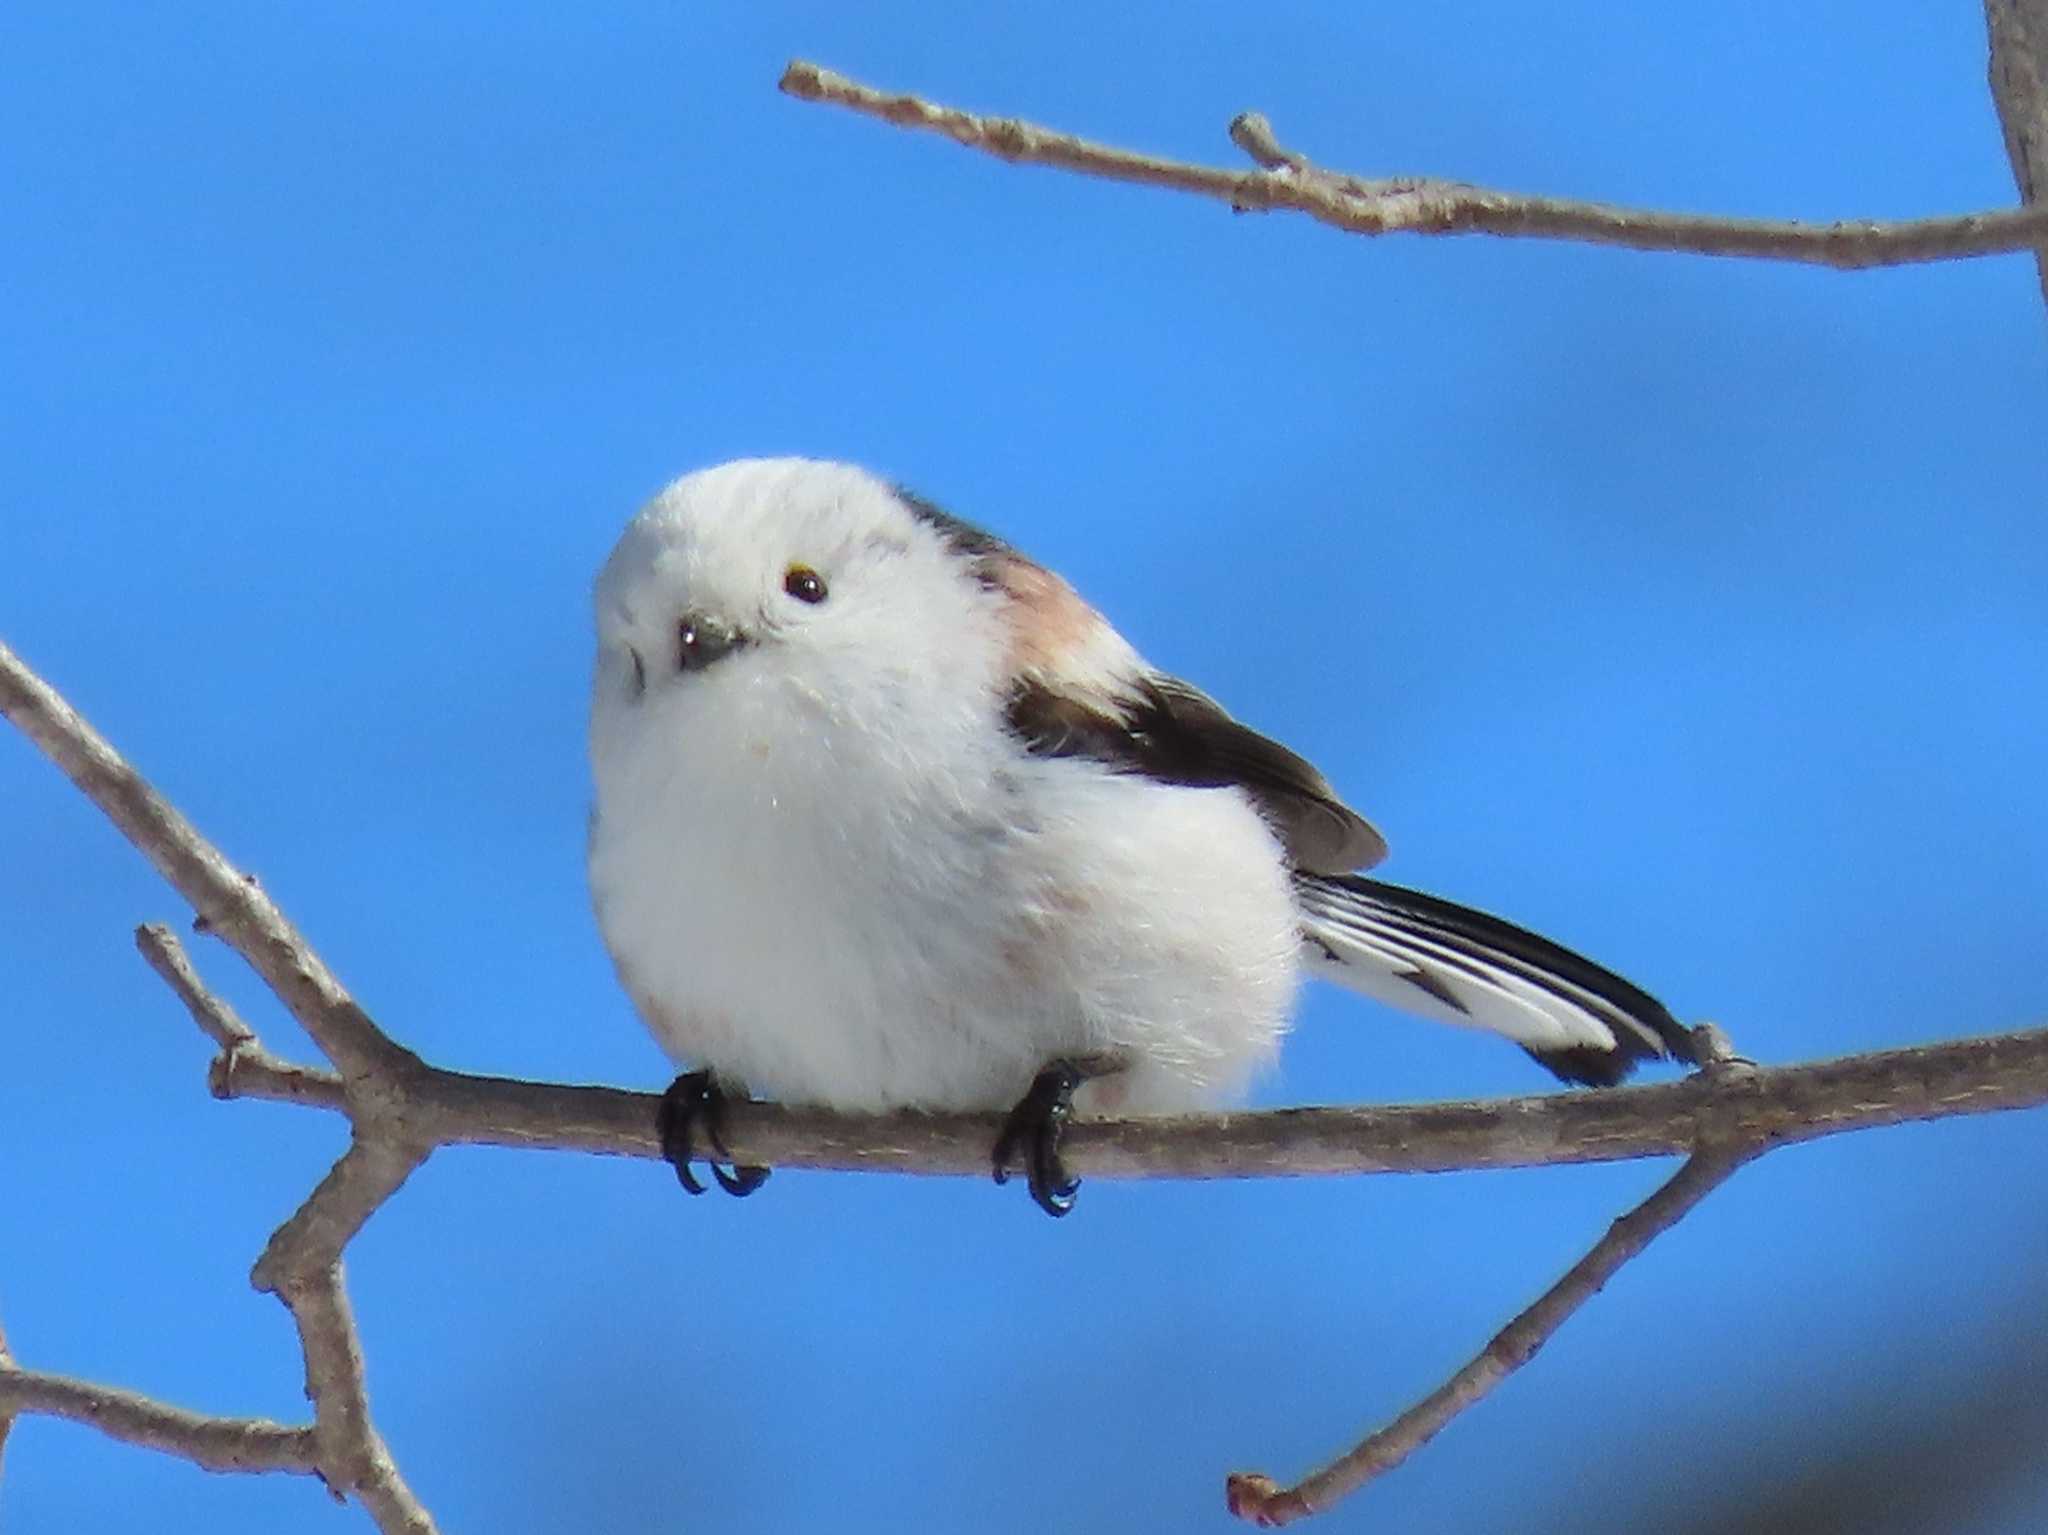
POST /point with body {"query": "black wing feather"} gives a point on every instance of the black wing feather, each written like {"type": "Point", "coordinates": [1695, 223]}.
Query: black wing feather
{"type": "Point", "coordinates": [1174, 733]}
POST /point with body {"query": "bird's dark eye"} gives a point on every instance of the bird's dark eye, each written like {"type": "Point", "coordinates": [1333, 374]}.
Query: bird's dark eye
{"type": "Point", "coordinates": [804, 584]}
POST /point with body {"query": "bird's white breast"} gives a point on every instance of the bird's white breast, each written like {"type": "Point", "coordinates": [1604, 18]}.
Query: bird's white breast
{"type": "Point", "coordinates": [898, 907]}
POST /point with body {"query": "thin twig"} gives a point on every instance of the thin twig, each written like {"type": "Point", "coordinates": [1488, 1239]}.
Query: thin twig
{"type": "Point", "coordinates": [244, 1068]}
{"type": "Point", "coordinates": [302, 1263]}
{"type": "Point", "coordinates": [218, 1444]}
{"type": "Point", "coordinates": [1260, 1500]}
{"type": "Point", "coordinates": [166, 956]}
{"type": "Point", "coordinates": [228, 901]}
{"type": "Point", "coordinates": [1428, 205]}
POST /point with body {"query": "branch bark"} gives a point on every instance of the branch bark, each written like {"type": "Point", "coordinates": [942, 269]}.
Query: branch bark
{"type": "Point", "coordinates": [1288, 182]}
{"type": "Point", "coordinates": [218, 1444]}
{"type": "Point", "coordinates": [2018, 32]}
{"type": "Point", "coordinates": [301, 1265]}
{"type": "Point", "coordinates": [1258, 1499]}
{"type": "Point", "coordinates": [1778, 1105]}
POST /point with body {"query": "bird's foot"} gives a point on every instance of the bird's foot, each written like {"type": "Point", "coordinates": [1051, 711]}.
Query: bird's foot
{"type": "Point", "coordinates": [693, 1100]}
{"type": "Point", "coordinates": [1032, 1133]}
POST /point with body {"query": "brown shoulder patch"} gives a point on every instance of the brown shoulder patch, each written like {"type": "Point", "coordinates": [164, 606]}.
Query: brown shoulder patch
{"type": "Point", "coordinates": [1047, 619]}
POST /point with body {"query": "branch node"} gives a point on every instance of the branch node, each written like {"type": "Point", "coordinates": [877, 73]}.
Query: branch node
{"type": "Point", "coordinates": [1716, 1052]}
{"type": "Point", "coordinates": [1251, 132]}
{"type": "Point", "coordinates": [167, 957]}
{"type": "Point", "coordinates": [1258, 1499]}
{"type": "Point", "coordinates": [806, 81]}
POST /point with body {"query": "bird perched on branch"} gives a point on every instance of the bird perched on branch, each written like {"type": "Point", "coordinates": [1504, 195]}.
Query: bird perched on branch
{"type": "Point", "coordinates": [887, 816]}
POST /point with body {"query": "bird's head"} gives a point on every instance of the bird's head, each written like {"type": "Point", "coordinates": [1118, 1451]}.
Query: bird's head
{"type": "Point", "coordinates": [768, 575]}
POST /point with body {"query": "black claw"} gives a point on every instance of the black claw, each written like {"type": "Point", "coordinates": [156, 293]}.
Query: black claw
{"type": "Point", "coordinates": [739, 1181]}
{"type": "Point", "coordinates": [692, 1099]}
{"type": "Point", "coordinates": [1035, 1125]}
{"type": "Point", "coordinates": [676, 1118]}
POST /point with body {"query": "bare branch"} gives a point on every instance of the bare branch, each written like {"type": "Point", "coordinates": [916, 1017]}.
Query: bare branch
{"type": "Point", "coordinates": [218, 1444]}
{"type": "Point", "coordinates": [1288, 182]}
{"type": "Point", "coordinates": [352, 1455]}
{"type": "Point", "coordinates": [302, 1267]}
{"type": "Point", "coordinates": [302, 1264]}
{"type": "Point", "coordinates": [1260, 1500]}
{"type": "Point", "coordinates": [229, 902]}
{"type": "Point", "coordinates": [1782, 1104]}
{"type": "Point", "coordinates": [166, 956]}
{"type": "Point", "coordinates": [310, 1243]}
{"type": "Point", "coordinates": [2019, 88]}
{"type": "Point", "coordinates": [1776, 1105]}
{"type": "Point", "coordinates": [244, 1068]}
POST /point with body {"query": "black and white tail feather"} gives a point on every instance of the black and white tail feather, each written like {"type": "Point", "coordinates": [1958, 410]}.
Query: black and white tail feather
{"type": "Point", "coordinates": [1429, 956]}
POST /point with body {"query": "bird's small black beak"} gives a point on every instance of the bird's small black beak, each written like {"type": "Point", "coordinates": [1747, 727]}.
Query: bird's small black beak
{"type": "Point", "coordinates": [702, 638]}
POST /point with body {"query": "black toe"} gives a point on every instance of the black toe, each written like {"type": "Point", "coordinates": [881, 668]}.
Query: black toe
{"type": "Point", "coordinates": [695, 1099]}
{"type": "Point", "coordinates": [676, 1121]}
{"type": "Point", "coordinates": [1033, 1129]}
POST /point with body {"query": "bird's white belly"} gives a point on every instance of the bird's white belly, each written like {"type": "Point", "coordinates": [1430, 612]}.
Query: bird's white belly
{"type": "Point", "coordinates": [804, 915]}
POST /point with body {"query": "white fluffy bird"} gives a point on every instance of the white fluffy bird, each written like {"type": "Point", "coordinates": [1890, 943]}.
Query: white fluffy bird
{"type": "Point", "coordinates": [887, 816]}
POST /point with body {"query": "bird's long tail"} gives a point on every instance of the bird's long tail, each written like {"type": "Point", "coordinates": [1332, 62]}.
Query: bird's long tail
{"type": "Point", "coordinates": [1425, 955]}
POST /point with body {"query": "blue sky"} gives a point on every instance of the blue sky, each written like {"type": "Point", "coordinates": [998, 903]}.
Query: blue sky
{"type": "Point", "coordinates": [1688, 611]}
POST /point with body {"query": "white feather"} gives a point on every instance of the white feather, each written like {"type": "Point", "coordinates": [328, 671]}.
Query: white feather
{"type": "Point", "coordinates": [826, 870]}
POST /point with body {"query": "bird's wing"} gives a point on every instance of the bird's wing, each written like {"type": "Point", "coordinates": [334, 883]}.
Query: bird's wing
{"type": "Point", "coordinates": [1410, 950]}
{"type": "Point", "coordinates": [1165, 729]}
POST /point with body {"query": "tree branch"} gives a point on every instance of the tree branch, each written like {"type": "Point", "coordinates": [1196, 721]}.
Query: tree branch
{"type": "Point", "coordinates": [1259, 1499]}
{"type": "Point", "coordinates": [352, 1455]}
{"type": "Point", "coordinates": [244, 1068]}
{"type": "Point", "coordinates": [229, 903]}
{"type": "Point", "coordinates": [2018, 31]}
{"type": "Point", "coordinates": [1286, 181]}
{"type": "Point", "coordinates": [301, 1264]}
{"type": "Point", "coordinates": [1778, 1105]}
{"type": "Point", "coordinates": [218, 1444]}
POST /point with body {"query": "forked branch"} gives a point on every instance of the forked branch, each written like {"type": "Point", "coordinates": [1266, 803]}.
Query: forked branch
{"type": "Point", "coordinates": [1286, 181]}
{"type": "Point", "coordinates": [302, 1264]}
